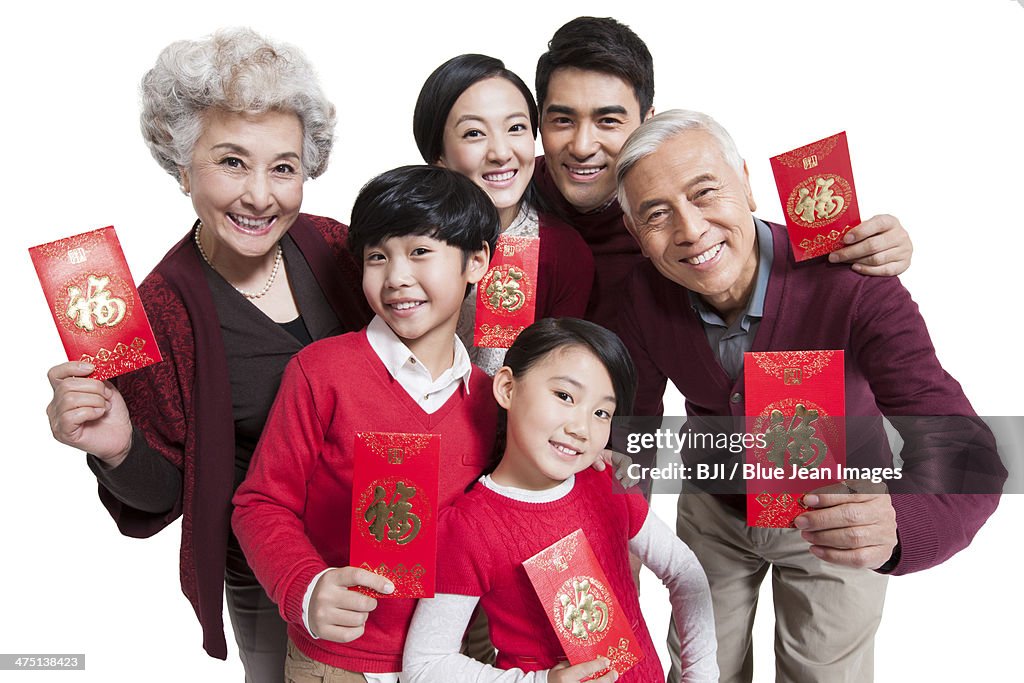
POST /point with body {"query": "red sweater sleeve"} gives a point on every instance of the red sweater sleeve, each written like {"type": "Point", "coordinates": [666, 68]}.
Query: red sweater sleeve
{"type": "Point", "coordinates": [465, 569]}
{"type": "Point", "coordinates": [270, 502]}
{"type": "Point", "coordinates": [945, 445]}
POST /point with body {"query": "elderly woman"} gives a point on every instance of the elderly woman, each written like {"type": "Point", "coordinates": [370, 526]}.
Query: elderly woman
{"type": "Point", "coordinates": [240, 123]}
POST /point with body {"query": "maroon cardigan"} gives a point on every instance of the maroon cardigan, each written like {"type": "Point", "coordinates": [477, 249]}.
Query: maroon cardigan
{"type": "Point", "coordinates": [891, 369]}
{"type": "Point", "coordinates": [615, 251]}
{"type": "Point", "coordinates": [183, 404]}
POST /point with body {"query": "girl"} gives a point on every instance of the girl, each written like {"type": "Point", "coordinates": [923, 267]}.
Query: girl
{"type": "Point", "coordinates": [476, 117]}
{"type": "Point", "coordinates": [562, 382]}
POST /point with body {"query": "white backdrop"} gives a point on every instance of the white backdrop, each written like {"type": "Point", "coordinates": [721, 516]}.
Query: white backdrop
{"type": "Point", "coordinates": [929, 95]}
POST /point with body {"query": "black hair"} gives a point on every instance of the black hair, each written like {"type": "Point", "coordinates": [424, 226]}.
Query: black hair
{"type": "Point", "coordinates": [552, 334]}
{"type": "Point", "coordinates": [423, 200]}
{"type": "Point", "coordinates": [445, 85]}
{"type": "Point", "coordinates": [604, 45]}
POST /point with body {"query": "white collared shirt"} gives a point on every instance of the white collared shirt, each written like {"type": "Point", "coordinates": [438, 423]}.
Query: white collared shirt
{"type": "Point", "coordinates": [402, 364]}
{"type": "Point", "coordinates": [429, 394]}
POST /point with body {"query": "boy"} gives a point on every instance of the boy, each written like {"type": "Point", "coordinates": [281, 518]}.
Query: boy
{"type": "Point", "coordinates": [425, 236]}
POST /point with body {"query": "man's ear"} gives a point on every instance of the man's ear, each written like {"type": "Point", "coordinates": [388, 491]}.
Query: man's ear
{"type": "Point", "coordinates": [649, 114]}
{"type": "Point", "coordinates": [746, 187]}
{"type": "Point", "coordinates": [502, 386]}
{"type": "Point", "coordinates": [631, 229]}
{"type": "Point", "coordinates": [476, 266]}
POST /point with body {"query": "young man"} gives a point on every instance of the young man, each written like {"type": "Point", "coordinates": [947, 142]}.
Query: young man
{"type": "Point", "coordinates": [424, 235]}
{"type": "Point", "coordinates": [721, 282]}
{"type": "Point", "coordinates": [595, 86]}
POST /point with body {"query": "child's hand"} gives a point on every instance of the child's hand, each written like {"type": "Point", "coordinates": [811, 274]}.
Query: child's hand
{"type": "Point", "coordinates": [338, 614]}
{"type": "Point", "coordinates": [563, 673]}
{"type": "Point", "coordinates": [621, 463]}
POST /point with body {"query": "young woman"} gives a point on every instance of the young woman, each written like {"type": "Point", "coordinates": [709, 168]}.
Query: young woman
{"type": "Point", "coordinates": [476, 117]}
{"type": "Point", "coordinates": [562, 382]}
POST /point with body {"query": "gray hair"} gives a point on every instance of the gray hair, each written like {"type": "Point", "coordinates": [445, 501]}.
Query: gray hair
{"type": "Point", "coordinates": [659, 129]}
{"type": "Point", "coordinates": [235, 70]}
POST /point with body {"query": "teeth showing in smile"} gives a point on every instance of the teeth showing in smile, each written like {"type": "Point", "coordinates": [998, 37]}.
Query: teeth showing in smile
{"type": "Point", "coordinates": [565, 449]}
{"type": "Point", "coordinates": [499, 177]}
{"type": "Point", "coordinates": [252, 223]}
{"type": "Point", "coordinates": [405, 305]}
{"type": "Point", "coordinates": [706, 256]}
{"type": "Point", "coordinates": [586, 171]}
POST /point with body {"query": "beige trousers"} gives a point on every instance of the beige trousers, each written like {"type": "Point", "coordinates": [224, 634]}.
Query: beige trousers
{"type": "Point", "coordinates": [298, 668]}
{"type": "Point", "coordinates": [825, 615]}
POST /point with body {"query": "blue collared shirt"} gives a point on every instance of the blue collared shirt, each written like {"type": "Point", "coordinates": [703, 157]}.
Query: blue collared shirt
{"type": "Point", "coordinates": [730, 342]}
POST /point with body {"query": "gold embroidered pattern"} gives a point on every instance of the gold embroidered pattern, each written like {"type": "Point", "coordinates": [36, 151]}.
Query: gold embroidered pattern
{"type": "Point", "coordinates": [499, 336]}
{"type": "Point", "coordinates": [393, 517]}
{"type": "Point", "coordinates": [809, 363]}
{"type": "Point", "coordinates": [795, 440]}
{"type": "Point", "coordinates": [505, 289]}
{"type": "Point", "coordinates": [408, 581]}
{"type": "Point", "coordinates": [583, 604]}
{"type": "Point", "coordinates": [819, 200]}
{"type": "Point", "coordinates": [396, 448]}
{"type": "Point", "coordinates": [819, 150]}
{"type": "Point", "coordinates": [96, 305]}
{"type": "Point", "coordinates": [124, 358]}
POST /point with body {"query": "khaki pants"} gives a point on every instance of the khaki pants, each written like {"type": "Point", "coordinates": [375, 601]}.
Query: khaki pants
{"type": "Point", "coordinates": [298, 668]}
{"type": "Point", "coordinates": [825, 615]}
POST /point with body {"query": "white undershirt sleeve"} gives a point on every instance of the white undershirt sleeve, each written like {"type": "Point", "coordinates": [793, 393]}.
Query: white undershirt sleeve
{"type": "Point", "coordinates": [433, 643]}
{"type": "Point", "coordinates": [674, 563]}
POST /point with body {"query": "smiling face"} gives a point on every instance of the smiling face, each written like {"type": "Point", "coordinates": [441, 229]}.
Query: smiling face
{"type": "Point", "coordinates": [586, 119]}
{"type": "Point", "coordinates": [416, 284]}
{"type": "Point", "coordinates": [487, 137]}
{"type": "Point", "coordinates": [245, 180]}
{"type": "Point", "coordinates": [559, 418]}
{"type": "Point", "coordinates": [690, 210]}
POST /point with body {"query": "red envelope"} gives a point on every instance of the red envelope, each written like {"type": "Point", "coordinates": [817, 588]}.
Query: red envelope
{"type": "Point", "coordinates": [394, 510]}
{"type": "Point", "coordinates": [506, 297]}
{"type": "Point", "coordinates": [815, 185]}
{"type": "Point", "coordinates": [580, 605]}
{"type": "Point", "coordinates": [95, 304]}
{"type": "Point", "coordinates": [796, 407]}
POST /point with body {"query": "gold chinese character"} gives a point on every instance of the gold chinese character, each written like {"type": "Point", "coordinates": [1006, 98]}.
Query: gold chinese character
{"type": "Point", "coordinates": [792, 376]}
{"type": "Point", "coordinates": [396, 455]}
{"type": "Point", "coordinates": [394, 518]}
{"type": "Point", "coordinates": [810, 162]}
{"type": "Point", "coordinates": [505, 293]}
{"type": "Point", "coordinates": [581, 613]}
{"type": "Point", "coordinates": [822, 204]}
{"type": "Point", "coordinates": [96, 304]}
{"type": "Point", "coordinates": [796, 439]}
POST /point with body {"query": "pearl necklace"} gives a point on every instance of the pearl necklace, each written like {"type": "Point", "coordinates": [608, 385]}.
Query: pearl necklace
{"type": "Point", "coordinates": [246, 294]}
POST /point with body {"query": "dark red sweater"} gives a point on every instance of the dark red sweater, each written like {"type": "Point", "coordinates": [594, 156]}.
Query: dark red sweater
{"type": "Point", "coordinates": [293, 511]}
{"type": "Point", "coordinates": [182, 406]}
{"type": "Point", "coordinates": [615, 251]}
{"type": "Point", "coordinates": [891, 369]}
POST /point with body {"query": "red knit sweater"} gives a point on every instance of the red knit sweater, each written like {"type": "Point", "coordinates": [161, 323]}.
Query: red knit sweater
{"type": "Point", "coordinates": [292, 513]}
{"type": "Point", "coordinates": [496, 534]}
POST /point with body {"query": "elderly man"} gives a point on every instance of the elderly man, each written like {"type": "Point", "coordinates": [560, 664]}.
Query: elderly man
{"type": "Point", "coordinates": [720, 282]}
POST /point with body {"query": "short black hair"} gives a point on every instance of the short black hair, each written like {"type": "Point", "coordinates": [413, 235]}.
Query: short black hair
{"type": "Point", "coordinates": [551, 334]}
{"type": "Point", "coordinates": [423, 200]}
{"type": "Point", "coordinates": [445, 85]}
{"type": "Point", "coordinates": [604, 45]}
